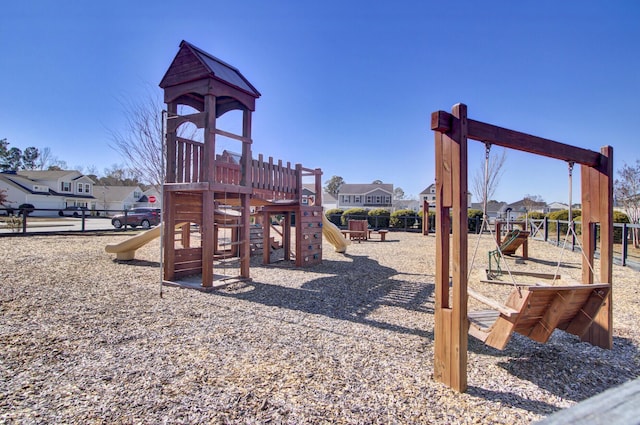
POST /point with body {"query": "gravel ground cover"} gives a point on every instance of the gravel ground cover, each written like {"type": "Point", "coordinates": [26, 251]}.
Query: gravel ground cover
{"type": "Point", "coordinates": [87, 339]}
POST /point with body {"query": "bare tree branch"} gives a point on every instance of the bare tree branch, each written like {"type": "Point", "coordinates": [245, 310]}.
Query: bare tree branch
{"type": "Point", "coordinates": [495, 172]}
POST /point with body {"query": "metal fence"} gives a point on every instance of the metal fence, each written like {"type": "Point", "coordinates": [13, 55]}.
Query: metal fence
{"type": "Point", "coordinates": [555, 231]}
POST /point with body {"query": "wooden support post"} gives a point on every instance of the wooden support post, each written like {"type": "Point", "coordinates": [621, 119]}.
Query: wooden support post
{"type": "Point", "coordinates": [450, 362]}
{"type": "Point", "coordinates": [597, 207]}
{"type": "Point", "coordinates": [245, 180]}
{"type": "Point", "coordinates": [425, 217]}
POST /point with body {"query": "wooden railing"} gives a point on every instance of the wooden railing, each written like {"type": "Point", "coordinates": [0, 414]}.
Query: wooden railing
{"type": "Point", "coordinates": [189, 155]}
{"type": "Point", "coordinates": [268, 179]}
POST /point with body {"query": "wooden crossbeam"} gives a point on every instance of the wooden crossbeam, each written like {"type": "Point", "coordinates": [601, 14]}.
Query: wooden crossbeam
{"type": "Point", "coordinates": [443, 122]}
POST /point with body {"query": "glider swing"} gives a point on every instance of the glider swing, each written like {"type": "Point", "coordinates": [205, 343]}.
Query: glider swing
{"type": "Point", "coordinates": [535, 311]}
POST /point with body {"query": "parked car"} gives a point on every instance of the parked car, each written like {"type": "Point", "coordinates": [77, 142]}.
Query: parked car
{"type": "Point", "coordinates": [144, 217]}
{"type": "Point", "coordinates": [73, 212]}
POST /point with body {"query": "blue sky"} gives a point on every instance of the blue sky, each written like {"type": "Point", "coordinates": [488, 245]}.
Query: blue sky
{"type": "Point", "coordinates": [347, 86]}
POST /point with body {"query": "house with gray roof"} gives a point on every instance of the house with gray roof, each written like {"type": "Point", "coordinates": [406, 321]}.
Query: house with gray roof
{"type": "Point", "coordinates": [44, 189]}
{"type": "Point", "coordinates": [367, 196]}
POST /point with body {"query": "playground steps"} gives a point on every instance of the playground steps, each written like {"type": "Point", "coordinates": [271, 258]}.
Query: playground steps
{"type": "Point", "coordinates": [257, 241]}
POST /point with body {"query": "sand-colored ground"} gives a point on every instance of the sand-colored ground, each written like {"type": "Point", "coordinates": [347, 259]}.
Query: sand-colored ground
{"type": "Point", "coordinates": [86, 339]}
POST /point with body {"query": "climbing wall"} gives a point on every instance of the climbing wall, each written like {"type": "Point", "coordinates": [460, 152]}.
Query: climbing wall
{"type": "Point", "coordinates": [309, 239]}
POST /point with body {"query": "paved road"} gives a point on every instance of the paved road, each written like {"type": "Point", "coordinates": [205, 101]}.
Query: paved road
{"type": "Point", "coordinates": [62, 225]}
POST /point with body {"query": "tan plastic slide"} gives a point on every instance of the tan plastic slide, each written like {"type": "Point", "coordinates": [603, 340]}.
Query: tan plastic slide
{"type": "Point", "coordinates": [126, 250]}
{"type": "Point", "coordinates": [333, 235]}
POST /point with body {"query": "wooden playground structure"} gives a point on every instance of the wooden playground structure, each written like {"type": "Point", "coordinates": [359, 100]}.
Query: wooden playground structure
{"type": "Point", "coordinates": [217, 190]}
{"type": "Point", "coordinates": [583, 309]}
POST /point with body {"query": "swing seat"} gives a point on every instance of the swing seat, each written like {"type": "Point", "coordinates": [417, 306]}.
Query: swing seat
{"type": "Point", "coordinates": [536, 311]}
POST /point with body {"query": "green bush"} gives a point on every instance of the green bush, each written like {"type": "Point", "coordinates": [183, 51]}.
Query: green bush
{"type": "Point", "coordinates": [431, 218]}
{"type": "Point", "coordinates": [379, 218]}
{"type": "Point", "coordinates": [562, 215]}
{"type": "Point", "coordinates": [354, 214]}
{"type": "Point", "coordinates": [537, 215]}
{"type": "Point", "coordinates": [475, 220]}
{"type": "Point", "coordinates": [403, 219]}
{"type": "Point", "coordinates": [618, 217]}
{"type": "Point", "coordinates": [334, 215]}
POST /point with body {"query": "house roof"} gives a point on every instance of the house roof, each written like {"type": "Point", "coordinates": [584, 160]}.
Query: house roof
{"type": "Point", "coordinates": [25, 184]}
{"type": "Point", "coordinates": [492, 206]}
{"type": "Point", "coordinates": [47, 174]}
{"type": "Point", "coordinates": [360, 189]}
{"type": "Point", "coordinates": [114, 193]}
{"type": "Point", "coordinates": [209, 66]}
{"type": "Point", "coordinates": [428, 189]}
{"type": "Point", "coordinates": [21, 183]}
{"type": "Point", "coordinates": [521, 204]}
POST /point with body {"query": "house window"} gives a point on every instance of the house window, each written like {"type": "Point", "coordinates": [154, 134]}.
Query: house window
{"type": "Point", "coordinates": [87, 188]}
{"type": "Point", "coordinates": [346, 199]}
{"type": "Point", "coordinates": [369, 199]}
{"type": "Point", "coordinates": [137, 195]}
{"type": "Point", "coordinates": [378, 199]}
{"type": "Point", "coordinates": [357, 199]}
{"type": "Point", "coordinates": [305, 200]}
{"type": "Point", "coordinates": [66, 187]}
{"type": "Point", "coordinates": [387, 199]}
{"type": "Point", "coordinates": [80, 187]}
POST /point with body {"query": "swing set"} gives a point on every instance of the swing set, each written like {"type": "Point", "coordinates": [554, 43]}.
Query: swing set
{"type": "Point", "coordinates": [535, 311]}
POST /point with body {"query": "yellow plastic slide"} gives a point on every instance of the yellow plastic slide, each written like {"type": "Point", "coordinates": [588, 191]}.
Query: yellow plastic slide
{"type": "Point", "coordinates": [333, 235]}
{"type": "Point", "coordinates": [126, 250]}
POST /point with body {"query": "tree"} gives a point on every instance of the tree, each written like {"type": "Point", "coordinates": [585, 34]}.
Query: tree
{"type": "Point", "coordinates": [484, 187]}
{"type": "Point", "coordinates": [13, 160]}
{"type": "Point", "coordinates": [398, 193]}
{"type": "Point", "coordinates": [332, 186]}
{"type": "Point", "coordinates": [48, 161]}
{"type": "Point", "coordinates": [29, 158]}
{"type": "Point", "coordinates": [3, 197]}
{"type": "Point", "coordinates": [531, 202]}
{"type": "Point", "coordinates": [140, 144]}
{"type": "Point", "coordinates": [118, 175]}
{"type": "Point", "coordinates": [627, 193]}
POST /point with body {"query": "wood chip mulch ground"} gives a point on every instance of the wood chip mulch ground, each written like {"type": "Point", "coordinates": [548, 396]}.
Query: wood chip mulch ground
{"type": "Point", "coordinates": [87, 339]}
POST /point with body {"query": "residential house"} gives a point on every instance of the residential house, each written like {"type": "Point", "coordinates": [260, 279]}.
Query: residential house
{"type": "Point", "coordinates": [557, 206]}
{"type": "Point", "coordinates": [367, 196]}
{"type": "Point", "coordinates": [495, 209]}
{"type": "Point", "coordinates": [407, 204]}
{"type": "Point", "coordinates": [48, 189]}
{"type": "Point", "coordinates": [329, 201]}
{"type": "Point", "coordinates": [429, 195]}
{"type": "Point", "coordinates": [119, 198]}
{"type": "Point", "coordinates": [522, 207]}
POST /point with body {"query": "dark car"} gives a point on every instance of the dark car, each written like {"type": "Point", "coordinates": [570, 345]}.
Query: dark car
{"type": "Point", "coordinates": [73, 212]}
{"type": "Point", "coordinates": [143, 217]}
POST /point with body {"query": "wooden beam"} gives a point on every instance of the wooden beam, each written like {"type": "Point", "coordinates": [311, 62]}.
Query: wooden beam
{"type": "Point", "coordinates": [445, 122]}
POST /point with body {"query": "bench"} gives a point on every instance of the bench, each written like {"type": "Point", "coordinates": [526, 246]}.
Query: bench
{"type": "Point", "coordinates": [358, 235]}
{"type": "Point", "coordinates": [381, 233]}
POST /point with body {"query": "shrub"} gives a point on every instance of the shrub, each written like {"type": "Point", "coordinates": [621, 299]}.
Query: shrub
{"type": "Point", "coordinates": [403, 219]}
{"type": "Point", "coordinates": [537, 215]}
{"type": "Point", "coordinates": [431, 218]}
{"type": "Point", "coordinates": [354, 214]}
{"type": "Point", "coordinates": [379, 217]}
{"type": "Point", "coordinates": [562, 215]}
{"type": "Point", "coordinates": [334, 215]}
{"type": "Point", "coordinates": [475, 220]}
{"type": "Point", "coordinates": [618, 217]}
{"type": "Point", "coordinates": [26, 209]}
